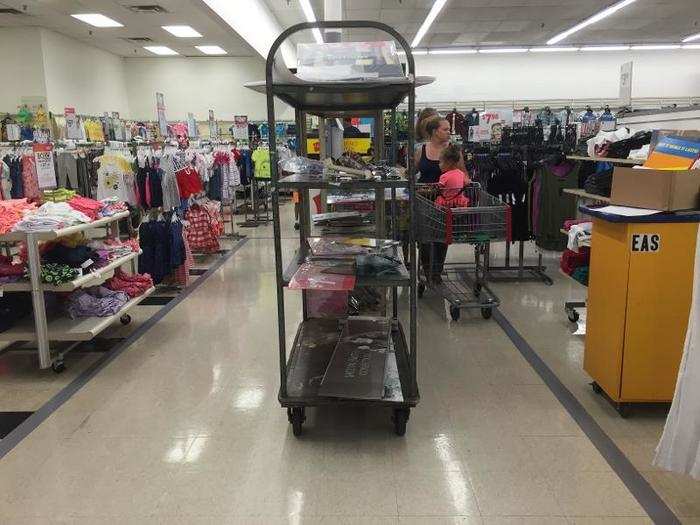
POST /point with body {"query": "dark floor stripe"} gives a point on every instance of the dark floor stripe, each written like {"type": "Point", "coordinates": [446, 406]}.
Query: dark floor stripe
{"type": "Point", "coordinates": [198, 271]}
{"type": "Point", "coordinates": [157, 300]}
{"type": "Point", "coordinates": [11, 420]}
{"type": "Point", "coordinates": [33, 421]}
{"type": "Point", "coordinates": [647, 497]}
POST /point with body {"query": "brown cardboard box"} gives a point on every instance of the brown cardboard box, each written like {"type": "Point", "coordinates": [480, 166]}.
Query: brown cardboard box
{"type": "Point", "coordinates": [656, 189]}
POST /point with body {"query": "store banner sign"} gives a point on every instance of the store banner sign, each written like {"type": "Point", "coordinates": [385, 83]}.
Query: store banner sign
{"type": "Point", "coordinates": [240, 127]}
{"type": "Point", "coordinates": [45, 171]}
{"type": "Point", "coordinates": [626, 84]}
{"type": "Point", "coordinates": [72, 124]}
{"type": "Point", "coordinates": [213, 127]}
{"type": "Point", "coordinates": [160, 112]}
{"type": "Point", "coordinates": [646, 242]}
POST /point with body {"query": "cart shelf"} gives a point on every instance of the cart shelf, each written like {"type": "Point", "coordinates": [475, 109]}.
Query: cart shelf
{"type": "Point", "coordinates": [88, 279]}
{"type": "Point", "coordinates": [631, 162]}
{"type": "Point", "coordinates": [309, 181]}
{"type": "Point", "coordinates": [311, 352]}
{"type": "Point", "coordinates": [67, 329]}
{"type": "Point", "coordinates": [403, 278]}
{"type": "Point", "coordinates": [583, 194]}
{"type": "Point", "coordinates": [63, 232]}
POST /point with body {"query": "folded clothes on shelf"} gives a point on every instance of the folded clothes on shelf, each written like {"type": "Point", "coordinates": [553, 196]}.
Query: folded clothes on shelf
{"type": "Point", "coordinates": [51, 216]}
{"type": "Point", "coordinates": [55, 273]}
{"type": "Point", "coordinates": [59, 195]}
{"type": "Point", "coordinates": [571, 260]}
{"type": "Point", "coordinates": [97, 301]}
{"type": "Point", "coordinates": [12, 211]}
{"type": "Point", "coordinates": [112, 206]}
{"type": "Point", "coordinates": [8, 269]}
{"type": "Point", "coordinates": [134, 285]}
{"type": "Point", "coordinates": [111, 249]}
{"type": "Point", "coordinates": [78, 257]}
{"type": "Point", "coordinates": [89, 207]}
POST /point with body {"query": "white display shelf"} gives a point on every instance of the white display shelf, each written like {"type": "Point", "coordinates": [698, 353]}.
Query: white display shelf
{"type": "Point", "coordinates": [67, 329]}
{"type": "Point", "coordinates": [69, 230]}
{"type": "Point", "coordinates": [631, 162]}
{"type": "Point", "coordinates": [88, 279]}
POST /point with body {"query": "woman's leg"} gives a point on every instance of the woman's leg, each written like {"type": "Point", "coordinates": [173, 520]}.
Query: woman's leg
{"type": "Point", "coordinates": [425, 250]}
{"type": "Point", "coordinates": [439, 256]}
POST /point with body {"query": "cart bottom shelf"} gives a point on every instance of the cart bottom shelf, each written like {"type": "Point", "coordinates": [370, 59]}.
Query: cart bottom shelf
{"type": "Point", "coordinates": [311, 353]}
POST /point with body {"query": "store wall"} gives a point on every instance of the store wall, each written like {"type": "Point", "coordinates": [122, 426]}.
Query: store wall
{"type": "Point", "coordinates": [197, 85]}
{"type": "Point", "coordinates": [22, 69]}
{"type": "Point", "coordinates": [85, 77]}
{"type": "Point", "coordinates": [558, 75]}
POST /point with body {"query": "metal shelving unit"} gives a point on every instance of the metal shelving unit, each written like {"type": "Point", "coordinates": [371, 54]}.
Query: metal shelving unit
{"type": "Point", "coordinates": [43, 330]}
{"type": "Point", "coordinates": [316, 339]}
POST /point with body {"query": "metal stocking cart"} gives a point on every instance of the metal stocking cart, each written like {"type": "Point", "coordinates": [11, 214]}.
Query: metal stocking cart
{"type": "Point", "coordinates": [484, 220]}
{"type": "Point", "coordinates": [303, 366]}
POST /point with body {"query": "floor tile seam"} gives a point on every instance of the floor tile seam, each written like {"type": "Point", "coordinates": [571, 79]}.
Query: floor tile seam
{"type": "Point", "coordinates": [67, 392]}
{"type": "Point", "coordinates": [645, 495]}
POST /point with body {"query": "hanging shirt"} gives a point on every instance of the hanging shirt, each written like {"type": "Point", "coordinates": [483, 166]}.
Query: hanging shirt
{"type": "Point", "coordinates": [188, 182]}
{"type": "Point", "coordinates": [261, 158]}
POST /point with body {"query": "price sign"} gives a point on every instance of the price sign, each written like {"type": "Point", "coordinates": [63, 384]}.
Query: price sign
{"type": "Point", "coordinates": [45, 171]}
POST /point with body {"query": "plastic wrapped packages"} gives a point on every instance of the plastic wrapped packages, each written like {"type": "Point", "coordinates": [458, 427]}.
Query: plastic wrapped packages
{"type": "Point", "coordinates": [301, 165]}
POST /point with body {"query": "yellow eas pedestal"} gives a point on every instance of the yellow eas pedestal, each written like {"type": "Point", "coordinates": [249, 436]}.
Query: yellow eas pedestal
{"type": "Point", "coordinates": [640, 287]}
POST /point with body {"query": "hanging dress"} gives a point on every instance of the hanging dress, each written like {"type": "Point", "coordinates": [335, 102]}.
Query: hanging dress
{"type": "Point", "coordinates": [679, 448]}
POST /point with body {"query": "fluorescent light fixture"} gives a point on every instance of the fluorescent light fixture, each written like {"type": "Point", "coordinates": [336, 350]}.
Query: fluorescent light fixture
{"type": "Point", "coordinates": [503, 50]}
{"type": "Point", "coordinates": [591, 20]}
{"type": "Point", "coordinates": [692, 38]}
{"type": "Point", "coordinates": [97, 20]}
{"type": "Point", "coordinates": [691, 46]}
{"type": "Point", "coordinates": [311, 17]}
{"type": "Point", "coordinates": [452, 51]}
{"type": "Point", "coordinates": [432, 15]}
{"type": "Point", "coordinates": [182, 31]}
{"type": "Point", "coordinates": [553, 49]}
{"type": "Point", "coordinates": [161, 50]}
{"type": "Point", "coordinates": [655, 47]}
{"type": "Point", "coordinates": [414, 52]}
{"type": "Point", "coordinates": [212, 50]}
{"type": "Point", "coordinates": [605, 48]}
{"type": "Point", "coordinates": [255, 24]}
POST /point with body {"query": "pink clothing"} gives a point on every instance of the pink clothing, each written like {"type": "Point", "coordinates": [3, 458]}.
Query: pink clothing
{"type": "Point", "coordinates": [30, 179]}
{"type": "Point", "coordinates": [451, 184]}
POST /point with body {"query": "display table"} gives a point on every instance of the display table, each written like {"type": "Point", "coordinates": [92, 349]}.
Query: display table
{"type": "Point", "coordinates": [639, 294]}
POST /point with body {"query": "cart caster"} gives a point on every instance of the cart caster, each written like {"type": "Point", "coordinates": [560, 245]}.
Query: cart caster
{"type": "Point", "coordinates": [58, 366]}
{"type": "Point", "coordinates": [296, 226]}
{"type": "Point", "coordinates": [624, 409]}
{"type": "Point", "coordinates": [125, 319]}
{"type": "Point", "coordinates": [573, 316]}
{"type": "Point", "coordinates": [454, 313]}
{"type": "Point", "coordinates": [421, 289]}
{"type": "Point", "coordinates": [296, 417]}
{"type": "Point", "coordinates": [486, 313]}
{"type": "Point", "coordinates": [596, 388]}
{"type": "Point", "coordinates": [400, 418]}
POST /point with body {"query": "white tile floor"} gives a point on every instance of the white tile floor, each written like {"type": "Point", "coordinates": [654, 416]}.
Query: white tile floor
{"type": "Point", "coordinates": [185, 428]}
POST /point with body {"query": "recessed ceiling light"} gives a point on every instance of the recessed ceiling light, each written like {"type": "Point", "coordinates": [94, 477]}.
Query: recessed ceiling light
{"type": "Point", "coordinates": [591, 20]}
{"type": "Point", "coordinates": [432, 15]}
{"type": "Point", "coordinates": [161, 50]}
{"type": "Point", "coordinates": [182, 31]}
{"type": "Point", "coordinates": [97, 20]}
{"type": "Point", "coordinates": [504, 50]}
{"type": "Point", "coordinates": [656, 47]}
{"type": "Point", "coordinates": [451, 51]}
{"type": "Point", "coordinates": [553, 49]}
{"type": "Point", "coordinates": [311, 17]}
{"type": "Point", "coordinates": [692, 38]}
{"type": "Point", "coordinates": [605, 48]}
{"type": "Point", "coordinates": [212, 50]}
{"type": "Point", "coordinates": [691, 46]}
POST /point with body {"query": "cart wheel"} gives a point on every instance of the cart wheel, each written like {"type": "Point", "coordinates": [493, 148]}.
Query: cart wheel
{"type": "Point", "coordinates": [454, 313]}
{"type": "Point", "coordinates": [296, 226]}
{"type": "Point", "coordinates": [298, 418]}
{"type": "Point", "coordinates": [421, 289]}
{"type": "Point", "coordinates": [400, 418]}
{"type": "Point", "coordinates": [596, 388]}
{"type": "Point", "coordinates": [486, 313]}
{"type": "Point", "coordinates": [573, 316]}
{"type": "Point", "coordinates": [125, 319]}
{"type": "Point", "coordinates": [58, 366]}
{"type": "Point", "coordinates": [624, 409]}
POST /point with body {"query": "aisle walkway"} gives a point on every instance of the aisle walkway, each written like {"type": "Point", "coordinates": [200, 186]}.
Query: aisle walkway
{"type": "Point", "coordinates": [185, 427]}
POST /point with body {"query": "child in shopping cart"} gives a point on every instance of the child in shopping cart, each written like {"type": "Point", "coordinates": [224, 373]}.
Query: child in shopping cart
{"type": "Point", "coordinates": [453, 180]}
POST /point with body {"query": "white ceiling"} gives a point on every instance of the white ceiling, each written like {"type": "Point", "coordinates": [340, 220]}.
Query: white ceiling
{"type": "Point", "coordinates": [462, 22]}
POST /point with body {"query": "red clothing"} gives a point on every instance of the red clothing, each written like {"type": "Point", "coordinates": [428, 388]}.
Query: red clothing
{"type": "Point", "coordinates": [188, 182]}
{"type": "Point", "coordinates": [452, 183]}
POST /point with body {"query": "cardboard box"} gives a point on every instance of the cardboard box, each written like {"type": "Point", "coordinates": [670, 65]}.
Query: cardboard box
{"type": "Point", "coordinates": [656, 189]}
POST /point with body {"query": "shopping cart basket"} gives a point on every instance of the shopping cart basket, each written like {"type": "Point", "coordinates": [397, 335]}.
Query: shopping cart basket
{"type": "Point", "coordinates": [486, 219]}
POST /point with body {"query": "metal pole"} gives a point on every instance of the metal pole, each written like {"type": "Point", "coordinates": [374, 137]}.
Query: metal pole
{"type": "Point", "coordinates": [394, 221]}
{"type": "Point", "coordinates": [42, 331]}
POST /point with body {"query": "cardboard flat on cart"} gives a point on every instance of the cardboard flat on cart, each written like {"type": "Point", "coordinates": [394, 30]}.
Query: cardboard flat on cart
{"type": "Point", "coordinates": [665, 190]}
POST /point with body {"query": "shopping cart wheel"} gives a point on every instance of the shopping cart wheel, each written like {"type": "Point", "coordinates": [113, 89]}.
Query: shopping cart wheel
{"type": "Point", "coordinates": [573, 316]}
{"type": "Point", "coordinates": [58, 366]}
{"type": "Point", "coordinates": [454, 313]}
{"type": "Point", "coordinates": [624, 409]}
{"type": "Point", "coordinates": [400, 418]}
{"type": "Point", "coordinates": [486, 313]}
{"type": "Point", "coordinates": [125, 319]}
{"type": "Point", "coordinates": [297, 419]}
{"type": "Point", "coordinates": [596, 388]}
{"type": "Point", "coordinates": [421, 289]}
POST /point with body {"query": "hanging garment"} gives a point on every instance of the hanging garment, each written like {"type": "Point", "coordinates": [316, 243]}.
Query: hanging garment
{"type": "Point", "coordinates": [201, 234]}
{"type": "Point", "coordinates": [554, 206]}
{"type": "Point", "coordinates": [679, 448]}
{"type": "Point", "coordinates": [30, 179]}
